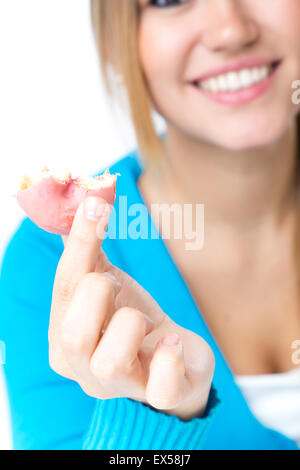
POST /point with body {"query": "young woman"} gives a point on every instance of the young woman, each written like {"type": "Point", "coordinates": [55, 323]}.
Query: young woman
{"type": "Point", "coordinates": [153, 346]}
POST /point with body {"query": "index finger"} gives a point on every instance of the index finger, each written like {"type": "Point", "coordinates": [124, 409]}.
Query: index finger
{"type": "Point", "coordinates": [82, 246]}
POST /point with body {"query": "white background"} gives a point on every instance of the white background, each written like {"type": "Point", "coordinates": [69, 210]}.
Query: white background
{"type": "Point", "coordinates": [53, 107]}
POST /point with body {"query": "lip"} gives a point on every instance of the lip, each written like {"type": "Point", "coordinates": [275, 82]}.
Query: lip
{"type": "Point", "coordinates": [244, 95]}
{"type": "Point", "coordinates": [249, 62]}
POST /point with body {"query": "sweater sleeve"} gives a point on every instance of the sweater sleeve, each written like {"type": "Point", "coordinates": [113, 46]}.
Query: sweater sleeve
{"type": "Point", "coordinates": [47, 411]}
{"type": "Point", "coordinates": [124, 424]}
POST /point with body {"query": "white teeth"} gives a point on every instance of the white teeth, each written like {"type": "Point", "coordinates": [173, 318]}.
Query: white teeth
{"type": "Point", "coordinates": [234, 81]}
{"type": "Point", "coordinates": [256, 75]}
{"type": "Point", "coordinates": [222, 82]}
{"type": "Point", "coordinates": [213, 85]}
{"type": "Point", "coordinates": [265, 72]}
{"type": "Point", "coordinates": [246, 78]}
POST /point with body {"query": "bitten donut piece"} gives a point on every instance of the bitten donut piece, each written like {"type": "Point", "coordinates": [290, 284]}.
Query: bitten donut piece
{"type": "Point", "coordinates": [51, 201]}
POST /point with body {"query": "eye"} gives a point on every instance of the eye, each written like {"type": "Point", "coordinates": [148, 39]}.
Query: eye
{"type": "Point", "coordinates": [167, 3]}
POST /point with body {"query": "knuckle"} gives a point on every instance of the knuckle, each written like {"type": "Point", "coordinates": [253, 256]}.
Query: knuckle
{"type": "Point", "coordinates": [91, 278]}
{"type": "Point", "coordinates": [106, 284]}
{"type": "Point", "coordinates": [94, 280]}
{"type": "Point", "coordinates": [110, 370]}
{"type": "Point", "coordinates": [131, 316]}
{"type": "Point", "coordinates": [72, 343]}
{"type": "Point", "coordinates": [56, 365]}
{"type": "Point", "coordinates": [127, 366]}
{"type": "Point", "coordinates": [103, 370]}
{"type": "Point", "coordinates": [65, 289]}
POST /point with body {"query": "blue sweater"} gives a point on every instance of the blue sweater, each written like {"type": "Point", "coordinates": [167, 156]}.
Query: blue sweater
{"type": "Point", "coordinates": [51, 412]}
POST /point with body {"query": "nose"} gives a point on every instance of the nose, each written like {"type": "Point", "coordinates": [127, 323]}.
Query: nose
{"type": "Point", "coordinates": [228, 26]}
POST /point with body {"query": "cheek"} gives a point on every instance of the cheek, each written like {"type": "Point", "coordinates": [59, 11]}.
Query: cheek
{"type": "Point", "coordinates": [283, 18]}
{"type": "Point", "coordinates": [162, 48]}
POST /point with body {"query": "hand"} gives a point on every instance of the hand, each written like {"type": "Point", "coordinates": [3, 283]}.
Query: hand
{"type": "Point", "coordinates": [108, 334]}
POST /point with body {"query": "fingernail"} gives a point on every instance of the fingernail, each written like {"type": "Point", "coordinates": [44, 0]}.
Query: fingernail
{"type": "Point", "coordinates": [94, 208]}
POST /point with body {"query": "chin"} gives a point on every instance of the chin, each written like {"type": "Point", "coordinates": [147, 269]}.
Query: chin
{"type": "Point", "coordinates": [247, 136]}
{"type": "Point", "coordinates": [242, 143]}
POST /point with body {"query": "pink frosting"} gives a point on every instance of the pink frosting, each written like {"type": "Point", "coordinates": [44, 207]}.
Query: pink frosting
{"type": "Point", "coordinates": [52, 204]}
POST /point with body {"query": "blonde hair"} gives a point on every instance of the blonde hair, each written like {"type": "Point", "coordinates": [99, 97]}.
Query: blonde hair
{"type": "Point", "coordinates": [115, 24]}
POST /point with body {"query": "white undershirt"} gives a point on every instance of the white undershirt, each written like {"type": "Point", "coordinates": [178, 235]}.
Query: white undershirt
{"type": "Point", "coordinates": [275, 400]}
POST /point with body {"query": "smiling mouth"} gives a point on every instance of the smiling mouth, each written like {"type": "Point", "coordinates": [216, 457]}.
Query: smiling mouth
{"type": "Point", "coordinates": [234, 81]}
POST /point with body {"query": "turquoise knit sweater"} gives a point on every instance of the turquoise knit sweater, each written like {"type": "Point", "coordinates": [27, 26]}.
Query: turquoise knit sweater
{"type": "Point", "coordinates": [51, 412]}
